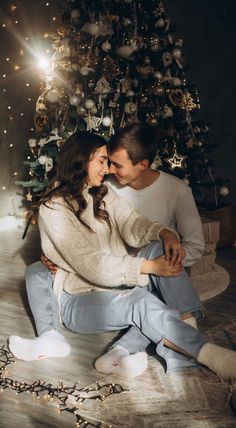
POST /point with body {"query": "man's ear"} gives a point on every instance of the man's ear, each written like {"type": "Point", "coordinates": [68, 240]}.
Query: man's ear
{"type": "Point", "coordinates": [144, 164]}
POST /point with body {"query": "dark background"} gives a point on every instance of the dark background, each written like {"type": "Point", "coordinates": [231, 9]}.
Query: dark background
{"type": "Point", "coordinates": [208, 29]}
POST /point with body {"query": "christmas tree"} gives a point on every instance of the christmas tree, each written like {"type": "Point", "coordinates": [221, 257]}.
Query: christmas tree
{"type": "Point", "coordinates": [115, 63]}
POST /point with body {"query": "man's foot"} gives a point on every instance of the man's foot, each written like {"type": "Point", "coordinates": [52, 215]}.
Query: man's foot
{"type": "Point", "coordinates": [221, 361]}
{"type": "Point", "coordinates": [49, 345]}
{"type": "Point", "coordinates": [120, 362]}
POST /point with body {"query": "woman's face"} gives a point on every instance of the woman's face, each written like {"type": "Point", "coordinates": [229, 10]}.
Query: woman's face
{"type": "Point", "coordinates": [98, 167]}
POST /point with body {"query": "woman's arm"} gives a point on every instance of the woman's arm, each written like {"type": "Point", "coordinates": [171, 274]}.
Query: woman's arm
{"type": "Point", "coordinates": [72, 247]}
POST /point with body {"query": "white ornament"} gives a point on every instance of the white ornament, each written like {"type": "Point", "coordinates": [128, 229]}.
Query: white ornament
{"type": "Point", "coordinates": [89, 104]}
{"type": "Point", "coordinates": [167, 111]}
{"type": "Point", "coordinates": [42, 159]}
{"type": "Point", "coordinates": [126, 50]}
{"type": "Point", "coordinates": [106, 46]}
{"type": "Point", "coordinates": [106, 121]}
{"type": "Point", "coordinates": [92, 29]}
{"type": "Point", "coordinates": [53, 96]}
{"type": "Point", "coordinates": [160, 23]}
{"type": "Point", "coordinates": [130, 93]}
{"type": "Point", "coordinates": [75, 14]}
{"type": "Point", "coordinates": [130, 107]}
{"type": "Point", "coordinates": [84, 71]}
{"type": "Point", "coordinates": [32, 142]}
{"type": "Point", "coordinates": [80, 111]}
{"type": "Point", "coordinates": [224, 191]}
{"type": "Point", "coordinates": [158, 75]}
{"type": "Point", "coordinates": [176, 53]}
{"type": "Point", "coordinates": [74, 100]}
{"type": "Point", "coordinates": [176, 81]}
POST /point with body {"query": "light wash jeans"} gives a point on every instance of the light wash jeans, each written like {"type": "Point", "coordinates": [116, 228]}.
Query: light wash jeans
{"type": "Point", "coordinates": [153, 312]}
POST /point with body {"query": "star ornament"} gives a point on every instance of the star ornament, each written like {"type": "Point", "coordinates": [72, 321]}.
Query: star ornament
{"type": "Point", "coordinates": [29, 197]}
{"type": "Point", "coordinates": [176, 161]}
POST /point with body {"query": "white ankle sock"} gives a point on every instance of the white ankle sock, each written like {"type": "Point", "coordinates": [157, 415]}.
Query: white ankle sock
{"type": "Point", "coordinates": [220, 360]}
{"type": "Point", "coordinates": [120, 362]}
{"type": "Point", "coordinates": [48, 345]}
{"type": "Point", "coordinates": [191, 321]}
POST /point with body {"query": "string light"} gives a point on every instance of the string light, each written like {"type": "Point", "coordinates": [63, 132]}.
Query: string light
{"type": "Point", "coordinates": [70, 398]}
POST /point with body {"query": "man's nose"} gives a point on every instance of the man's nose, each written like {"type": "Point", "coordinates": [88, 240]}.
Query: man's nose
{"type": "Point", "coordinates": [112, 169]}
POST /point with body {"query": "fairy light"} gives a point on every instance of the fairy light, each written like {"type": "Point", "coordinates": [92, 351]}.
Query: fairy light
{"type": "Point", "coordinates": [62, 393]}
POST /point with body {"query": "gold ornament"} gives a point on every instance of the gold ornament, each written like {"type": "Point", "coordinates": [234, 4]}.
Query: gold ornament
{"type": "Point", "coordinates": [176, 97]}
{"type": "Point", "coordinates": [102, 86]}
{"type": "Point", "coordinates": [176, 161]}
{"type": "Point", "coordinates": [29, 197]}
{"type": "Point", "coordinates": [188, 102]}
{"type": "Point", "coordinates": [110, 68]}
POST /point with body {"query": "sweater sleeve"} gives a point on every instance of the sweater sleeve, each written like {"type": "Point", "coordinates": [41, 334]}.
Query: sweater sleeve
{"type": "Point", "coordinates": [136, 230]}
{"type": "Point", "coordinates": [189, 227]}
{"type": "Point", "coordinates": [69, 244]}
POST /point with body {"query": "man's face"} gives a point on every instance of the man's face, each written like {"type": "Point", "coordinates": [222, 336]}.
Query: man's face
{"type": "Point", "coordinates": [123, 169]}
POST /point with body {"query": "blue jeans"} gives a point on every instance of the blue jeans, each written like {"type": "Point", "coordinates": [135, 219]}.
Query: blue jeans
{"type": "Point", "coordinates": [153, 312]}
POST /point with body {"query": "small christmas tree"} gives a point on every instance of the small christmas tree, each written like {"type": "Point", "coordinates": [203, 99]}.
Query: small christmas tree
{"type": "Point", "coordinates": [115, 63]}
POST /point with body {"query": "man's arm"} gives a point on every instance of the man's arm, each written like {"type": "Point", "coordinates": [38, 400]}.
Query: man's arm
{"type": "Point", "coordinates": [189, 227]}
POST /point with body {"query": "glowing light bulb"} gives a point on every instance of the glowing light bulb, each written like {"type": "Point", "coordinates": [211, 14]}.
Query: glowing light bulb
{"type": "Point", "coordinates": [43, 62]}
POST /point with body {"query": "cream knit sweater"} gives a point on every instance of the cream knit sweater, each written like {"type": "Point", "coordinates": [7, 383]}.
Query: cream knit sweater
{"type": "Point", "coordinates": [96, 259]}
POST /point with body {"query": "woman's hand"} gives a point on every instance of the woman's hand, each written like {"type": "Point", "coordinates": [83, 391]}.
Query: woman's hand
{"type": "Point", "coordinates": [160, 266]}
{"type": "Point", "coordinates": [174, 252]}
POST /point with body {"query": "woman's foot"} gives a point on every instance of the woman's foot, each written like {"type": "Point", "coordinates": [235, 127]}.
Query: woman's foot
{"type": "Point", "coordinates": [49, 345]}
{"type": "Point", "coordinates": [221, 361]}
{"type": "Point", "coordinates": [119, 361]}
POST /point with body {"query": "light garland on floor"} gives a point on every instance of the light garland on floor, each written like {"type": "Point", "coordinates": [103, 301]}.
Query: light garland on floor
{"type": "Point", "coordinates": [63, 394]}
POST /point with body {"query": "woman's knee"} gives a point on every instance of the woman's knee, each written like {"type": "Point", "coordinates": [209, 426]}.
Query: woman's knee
{"type": "Point", "coordinates": [37, 272]}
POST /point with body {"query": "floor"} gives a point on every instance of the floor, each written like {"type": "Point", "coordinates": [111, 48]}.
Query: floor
{"type": "Point", "coordinates": [196, 395]}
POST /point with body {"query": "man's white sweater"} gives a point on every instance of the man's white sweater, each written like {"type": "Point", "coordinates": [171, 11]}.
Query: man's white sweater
{"type": "Point", "coordinates": [169, 201]}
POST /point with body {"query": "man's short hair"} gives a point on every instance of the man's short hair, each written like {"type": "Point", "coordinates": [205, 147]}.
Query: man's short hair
{"type": "Point", "coordinates": [139, 140]}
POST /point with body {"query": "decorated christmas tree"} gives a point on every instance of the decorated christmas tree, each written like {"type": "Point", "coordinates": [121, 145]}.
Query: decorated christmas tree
{"type": "Point", "coordinates": [115, 63]}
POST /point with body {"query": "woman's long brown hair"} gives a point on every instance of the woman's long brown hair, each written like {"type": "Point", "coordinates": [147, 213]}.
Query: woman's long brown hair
{"type": "Point", "coordinates": [71, 173]}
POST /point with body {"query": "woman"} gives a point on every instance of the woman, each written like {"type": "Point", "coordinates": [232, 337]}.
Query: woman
{"type": "Point", "coordinates": [85, 229]}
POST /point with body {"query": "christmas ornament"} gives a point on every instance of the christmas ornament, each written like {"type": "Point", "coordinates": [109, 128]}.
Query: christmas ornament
{"type": "Point", "coordinates": [160, 23]}
{"type": "Point", "coordinates": [53, 96]}
{"type": "Point", "coordinates": [81, 111]}
{"type": "Point", "coordinates": [176, 97]}
{"type": "Point", "coordinates": [167, 59]}
{"type": "Point", "coordinates": [106, 46]}
{"type": "Point", "coordinates": [224, 191]}
{"type": "Point", "coordinates": [89, 104]}
{"type": "Point", "coordinates": [84, 71]}
{"type": "Point", "coordinates": [188, 102]}
{"type": "Point", "coordinates": [125, 51]}
{"type": "Point", "coordinates": [176, 53]}
{"type": "Point", "coordinates": [176, 161]}
{"type": "Point", "coordinates": [106, 121]}
{"type": "Point", "coordinates": [167, 111]}
{"type": "Point", "coordinates": [74, 100]}
{"type": "Point", "coordinates": [130, 107]}
{"type": "Point", "coordinates": [29, 197]}
{"type": "Point", "coordinates": [157, 75]}
{"type": "Point", "coordinates": [102, 86]}
{"type": "Point", "coordinates": [91, 28]}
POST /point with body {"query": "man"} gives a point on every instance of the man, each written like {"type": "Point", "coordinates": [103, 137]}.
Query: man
{"type": "Point", "coordinates": [163, 198]}
{"type": "Point", "coordinates": [155, 194]}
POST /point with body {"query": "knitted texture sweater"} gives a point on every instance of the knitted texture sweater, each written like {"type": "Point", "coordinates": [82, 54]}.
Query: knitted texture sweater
{"type": "Point", "coordinates": [97, 258]}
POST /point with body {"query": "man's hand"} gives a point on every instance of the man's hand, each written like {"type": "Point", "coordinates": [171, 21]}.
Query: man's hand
{"type": "Point", "coordinates": [50, 265]}
{"type": "Point", "coordinates": [174, 252]}
{"type": "Point", "coordinates": [160, 266]}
